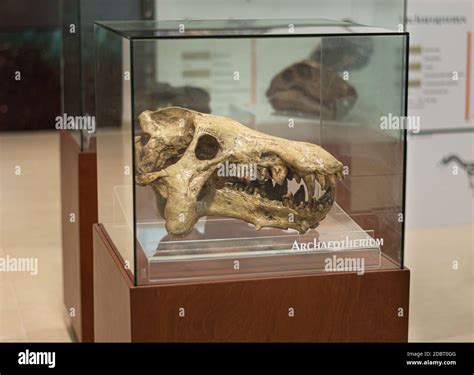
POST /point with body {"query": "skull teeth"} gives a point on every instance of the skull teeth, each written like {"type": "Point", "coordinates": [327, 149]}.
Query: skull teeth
{"type": "Point", "coordinates": [272, 186]}
{"type": "Point", "coordinates": [263, 174]}
{"type": "Point", "coordinates": [322, 181]}
{"type": "Point", "coordinates": [310, 182]}
{"type": "Point", "coordinates": [299, 195]}
{"type": "Point", "coordinates": [279, 174]}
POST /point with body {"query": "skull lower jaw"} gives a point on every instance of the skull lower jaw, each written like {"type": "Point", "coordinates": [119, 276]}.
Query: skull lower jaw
{"type": "Point", "coordinates": [261, 203]}
{"type": "Point", "coordinates": [263, 212]}
{"type": "Point", "coordinates": [183, 214]}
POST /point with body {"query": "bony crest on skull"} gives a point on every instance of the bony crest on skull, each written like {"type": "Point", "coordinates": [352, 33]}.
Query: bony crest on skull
{"type": "Point", "coordinates": [215, 166]}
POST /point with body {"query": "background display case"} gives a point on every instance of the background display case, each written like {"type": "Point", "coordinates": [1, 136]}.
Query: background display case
{"type": "Point", "coordinates": [78, 148]}
{"type": "Point", "coordinates": [351, 80]}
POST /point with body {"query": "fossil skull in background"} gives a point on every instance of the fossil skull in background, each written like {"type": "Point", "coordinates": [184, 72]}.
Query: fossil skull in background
{"type": "Point", "coordinates": [180, 154]}
{"type": "Point", "coordinates": [308, 87]}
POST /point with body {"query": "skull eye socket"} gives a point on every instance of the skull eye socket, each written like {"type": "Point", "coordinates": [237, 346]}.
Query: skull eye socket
{"type": "Point", "coordinates": [207, 147]}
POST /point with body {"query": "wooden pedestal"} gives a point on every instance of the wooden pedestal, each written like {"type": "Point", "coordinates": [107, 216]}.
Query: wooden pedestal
{"type": "Point", "coordinates": [79, 213]}
{"type": "Point", "coordinates": [327, 307]}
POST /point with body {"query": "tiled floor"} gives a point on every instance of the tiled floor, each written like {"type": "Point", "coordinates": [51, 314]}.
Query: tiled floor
{"type": "Point", "coordinates": [442, 283]}
{"type": "Point", "coordinates": [31, 308]}
{"type": "Point", "coordinates": [31, 305]}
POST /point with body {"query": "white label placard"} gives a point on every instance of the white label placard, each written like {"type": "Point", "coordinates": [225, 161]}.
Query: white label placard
{"type": "Point", "coordinates": [441, 63]}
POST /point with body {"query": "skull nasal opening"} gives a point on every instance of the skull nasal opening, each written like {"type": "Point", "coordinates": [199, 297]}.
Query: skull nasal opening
{"type": "Point", "coordinates": [207, 147]}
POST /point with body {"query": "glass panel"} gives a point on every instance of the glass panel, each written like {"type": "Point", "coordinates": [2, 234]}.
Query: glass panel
{"type": "Point", "coordinates": [92, 10]}
{"type": "Point", "coordinates": [382, 13]}
{"type": "Point", "coordinates": [71, 101]}
{"type": "Point", "coordinates": [216, 28]}
{"type": "Point", "coordinates": [366, 133]}
{"type": "Point", "coordinates": [78, 18]}
{"type": "Point", "coordinates": [225, 77]}
{"type": "Point", "coordinates": [288, 87]}
{"type": "Point", "coordinates": [114, 140]}
{"type": "Point", "coordinates": [212, 251]}
{"type": "Point", "coordinates": [193, 110]}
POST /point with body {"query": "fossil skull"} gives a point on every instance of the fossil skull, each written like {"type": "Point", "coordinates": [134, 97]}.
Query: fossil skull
{"type": "Point", "coordinates": [310, 88]}
{"type": "Point", "coordinates": [183, 152]}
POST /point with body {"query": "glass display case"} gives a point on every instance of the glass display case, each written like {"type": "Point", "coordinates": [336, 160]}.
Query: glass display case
{"type": "Point", "coordinates": [78, 65]}
{"type": "Point", "coordinates": [250, 148]}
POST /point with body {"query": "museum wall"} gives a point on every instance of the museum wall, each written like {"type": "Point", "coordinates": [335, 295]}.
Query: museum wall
{"type": "Point", "coordinates": [440, 181]}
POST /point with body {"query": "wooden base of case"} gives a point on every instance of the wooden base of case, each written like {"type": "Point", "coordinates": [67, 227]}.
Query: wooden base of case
{"type": "Point", "coordinates": [323, 307]}
{"type": "Point", "coordinates": [79, 213]}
